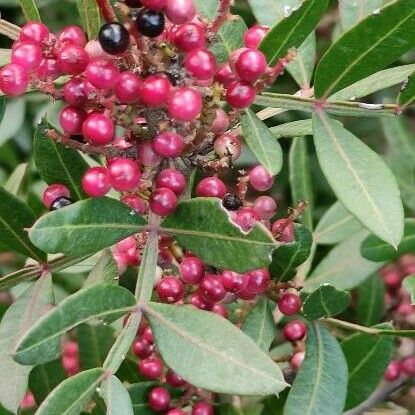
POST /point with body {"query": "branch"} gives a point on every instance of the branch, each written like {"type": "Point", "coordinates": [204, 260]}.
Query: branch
{"type": "Point", "coordinates": [107, 11]}
{"type": "Point", "coordinates": [221, 17]}
{"type": "Point", "coordinates": [9, 29]}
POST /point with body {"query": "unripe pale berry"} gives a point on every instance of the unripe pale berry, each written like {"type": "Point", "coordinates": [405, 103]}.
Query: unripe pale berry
{"type": "Point", "coordinates": [150, 23]}
{"type": "Point", "coordinates": [96, 182]}
{"type": "Point", "coordinates": [71, 120]}
{"type": "Point", "coordinates": [27, 54]}
{"type": "Point", "coordinates": [14, 80]}
{"type": "Point", "coordinates": [180, 11]}
{"type": "Point", "coordinates": [211, 288]}
{"type": "Point", "coordinates": [151, 368]}
{"type": "Point", "coordinates": [221, 122]}
{"type": "Point", "coordinates": [155, 90]}
{"type": "Point", "coordinates": [189, 37]}
{"type": "Point", "coordinates": [192, 270]}
{"type": "Point", "coordinates": [211, 187]}
{"type": "Point", "coordinates": [128, 88]}
{"type": "Point", "coordinates": [124, 174]}
{"type": "Point", "coordinates": [114, 38]}
{"type": "Point", "coordinates": [172, 179]}
{"type": "Point", "coordinates": [159, 399]}
{"type": "Point", "coordinates": [251, 65]}
{"type": "Point", "coordinates": [168, 144]}
{"type": "Point", "coordinates": [53, 192]}
{"type": "Point", "coordinates": [72, 59]}
{"type": "Point", "coordinates": [289, 304]}
{"type": "Point", "coordinates": [148, 157]}
{"type": "Point", "coordinates": [283, 230]}
{"type": "Point", "coordinates": [246, 218]}
{"type": "Point", "coordinates": [102, 73]}
{"type": "Point", "coordinates": [75, 93]}
{"type": "Point", "coordinates": [185, 104]}
{"type": "Point", "coordinates": [34, 32]}
{"type": "Point", "coordinates": [254, 35]}
{"type": "Point", "coordinates": [163, 201]}
{"type": "Point", "coordinates": [265, 207]}
{"type": "Point", "coordinates": [260, 179]}
{"type": "Point", "coordinates": [297, 360]}
{"type": "Point", "coordinates": [240, 95]}
{"type": "Point", "coordinates": [201, 63]}
{"type": "Point", "coordinates": [295, 330]}
{"type": "Point", "coordinates": [228, 145]}
{"type": "Point", "coordinates": [202, 408]}
{"type": "Point", "coordinates": [232, 281]}
{"type": "Point", "coordinates": [258, 281]}
{"type": "Point", "coordinates": [170, 289]}
{"type": "Point", "coordinates": [98, 129]}
{"type": "Point", "coordinates": [72, 34]}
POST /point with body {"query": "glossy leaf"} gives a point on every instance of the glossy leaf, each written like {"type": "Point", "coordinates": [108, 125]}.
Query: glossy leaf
{"type": "Point", "coordinates": [409, 285]}
{"type": "Point", "coordinates": [15, 181]}
{"type": "Point", "coordinates": [90, 17]}
{"type": "Point", "coordinates": [105, 270]}
{"type": "Point", "coordinates": [370, 46]}
{"type": "Point", "coordinates": [343, 267]}
{"type": "Point", "coordinates": [352, 12]}
{"type": "Point", "coordinates": [85, 227]}
{"type": "Point", "coordinates": [219, 357]}
{"type": "Point", "coordinates": [269, 13]}
{"type": "Point", "coordinates": [97, 301]}
{"type": "Point", "coordinates": [321, 384]}
{"type": "Point", "coordinates": [29, 9]}
{"type": "Point", "coordinates": [300, 179]}
{"type": "Point", "coordinates": [407, 95]}
{"type": "Point", "coordinates": [259, 324]}
{"type": "Point", "coordinates": [367, 358]}
{"type": "Point", "coordinates": [293, 129]}
{"type": "Point", "coordinates": [374, 249]}
{"type": "Point", "coordinates": [288, 257]}
{"type": "Point", "coordinates": [325, 301]}
{"type": "Point", "coordinates": [293, 30]}
{"type": "Point", "coordinates": [116, 397]}
{"type": "Point", "coordinates": [203, 226]}
{"type": "Point", "coordinates": [370, 301]}
{"type": "Point", "coordinates": [139, 397]}
{"type": "Point", "coordinates": [58, 164]}
{"type": "Point", "coordinates": [336, 225]}
{"type": "Point", "coordinates": [15, 217]}
{"type": "Point", "coordinates": [354, 172]}
{"type": "Point", "coordinates": [261, 142]}
{"type": "Point", "coordinates": [73, 394]}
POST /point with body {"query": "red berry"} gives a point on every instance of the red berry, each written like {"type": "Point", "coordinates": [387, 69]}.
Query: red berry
{"type": "Point", "coordinates": [295, 330]}
{"type": "Point", "coordinates": [393, 371]}
{"type": "Point", "coordinates": [254, 35]}
{"type": "Point", "coordinates": [70, 349]}
{"type": "Point", "coordinates": [258, 281]}
{"type": "Point", "coordinates": [260, 179]}
{"type": "Point", "coordinates": [225, 75]}
{"type": "Point", "coordinates": [71, 120]}
{"type": "Point", "coordinates": [72, 59]}
{"type": "Point", "coordinates": [220, 310]}
{"type": "Point", "coordinates": [14, 80]}
{"type": "Point", "coordinates": [189, 37]}
{"type": "Point", "coordinates": [73, 35]}
{"type": "Point", "coordinates": [71, 365]}
{"type": "Point", "coordinates": [96, 182]}
{"type": "Point", "coordinates": [126, 244]}
{"type": "Point", "coordinates": [185, 104]}
{"type": "Point", "coordinates": [251, 65]}
{"type": "Point", "coordinates": [202, 408]}
{"type": "Point", "coordinates": [228, 145]}
{"type": "Point", "coordinates": [48, 68]}
{"type": "Point", "coordinates": [246, 218]}
{"type": "Point", "coordinates": [170, 290]}
{"type": "Point", "coordinates": [127, 90]}
{"type": "Point", "coordinates": [211, 187]}
{"type": "Point", "coordinates": [176, 411]}
{"type": "Point", "coordinates": [28, 55]}
{"type": "Point", "coordinates": [102, 73]}
{"type": "Point", "coordinates": [283, 229]}
{"type": "Point", "coordinates": [163, 201]}
{"type": "Point", "coordinates": [154, 4]}
{"type": "Point", "coordinates": [265, 207]}
{"type": "Point", "coordinates": [174, 380]}
{"type": "Point", "coordinates": [53, 192]}
{"type": "Point", "coordinates": [192, 270]}
{"type": "Point", "coordinates": [148, 157]}
{"type": "Point", "coordinates": [142, 349]}
{"type": "Point", "coordinates": [297, 360]}
{"type": "Point", "coordinates": [148, 335]}
{"type": "Point", "coordinates": [212, 289]}
{"type": "Point", "coordinates": [289, 304]}
{"type": "Point", "coordinates": [34, 32]}
{"type": "Point", "coordinates": [151, 367]}
{"type": "Point", "coordinates": [221, 122]}
{"type": "Point", "coordinates": [155, 90]}
{"type": "Point", "coordinates": [168, 144]}
{"type": "Point", "coordinates": [136, 203]}
{"type": "Point", "coordinates": [232, 281]}
{"type": "Point", "coordinates": [159, 399]}
{"type": "Point", "coordinates": [180, 11]}
{"type": "Point", "coordinates": [201, 63]}
{"type": "Point", "coordinates": [75, 92]}
{"type": "Point", "coordinates": [172, 179]}
{"type": "Point", "coordinates": [198, 301]}
{"type": "Point", "coordinates": [124, 174]}
{"type": "Point", "coordinates": [240, 95]}
{"type": "Point", "coordinates": [98, 129]}
{"type": "Point", "coordinates": [408, 366]}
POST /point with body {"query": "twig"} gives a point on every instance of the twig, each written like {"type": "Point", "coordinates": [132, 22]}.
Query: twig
{"type": "Point", "coordinates": [9, 29]}
{"type": "Point", "coordinates": [221, 17]}
{"type": "Point", "coordinates": [107, 11]}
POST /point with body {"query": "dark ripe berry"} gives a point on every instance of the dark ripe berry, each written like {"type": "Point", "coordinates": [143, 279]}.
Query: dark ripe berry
{"type": "Point", "coordinates": [125, 174]}
{"type": "Point", "coordinates": [202, 408]}
{"type": "Point", "coordinates": [260, 179]}
{"type": "Point", "coordinates": [28, 55]}
{"type": "Point", "coordinates": [295, 330]}
{"type": "Point", "coordinates": [150, 23]}
{"type": "Point", "coordinates": [142, 349]}
{"type": "Point", "coordinates": [159, 399]}
{"type": "Point", "coordinates": [72, 34]}
{"type": "Point", "coordinates": [265, 207]}
{"type": "Point", "coordinates": [60, 203]}
{"type": "Point", "coordinates": [168, 144]}
{"type": "Point", "coordinates": [170, 290]}
{"type": "Point", "coordinates": [53, 192]}
{"type": "Point", "coordinates": [114, 38]}
{"type": "Point", "coordinates": [180, 11]}
{"type": "Point", "coordinates": [283, 230]}
{"type": "Point", "coordinates": [228, 145]}
{"type": "Point", "coordinates": [134, 4]}
{"type": "Point", "coordinates": [246, 218]}
{"type": "Point", "coordinates": [128, 88]}
{"type": "Point", "coordinates": [151, 368]}
{"type": "Point", "coordinates": [172, 179]}
{"type": "Point", "coordinates": [258, 281]}
{"type": "Point", "coordinates": [34, 32]}
{"type": "Point", "coordinates": [231, 202]}
{"type": "Point", "coordinates": [408, 366]}
{"type": "Point", "coordinates": [393, 371]}
{"type": "Point", "coordinates": [212, 289]}
{"type": "Point", "coordinates": [192, 270]}
{"type": "Point", "coordinates": [289, 304]}
{"type": "Point", "coordinates": [232, 281]}
{"type": "Point", "coordinates": [211, 187]}
{"type": "Point", "coordinates": [189, 37]}
{"type": "Point", "coordinates": [96, 182]}
{"type": "Point", "coordinates": [240, 95]}
{"type": "Point", "coordinates": [174, 380]}
{"type": "Point", "coordinates": [102, 73]}
{"type": "Point", "coordinates": [155, 90]}
{"type": "Point", "coordinates": [185, 104]}
{"type": "Point", "coordinates": [71, 120]}
{"type": "Point", "coordinates": [14, 80]}
{"type": "Point", "coordinates": [163, 201]}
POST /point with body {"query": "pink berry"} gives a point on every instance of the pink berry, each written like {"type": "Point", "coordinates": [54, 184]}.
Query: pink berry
{"type": "Point", "coordinates": [408, 366]}
{"type": "Point", "coordinates": [142, 349]}
{"type": "Point", "coordinates": [148, 157]}
{"type": "Point", "coordinates": [228, 145]}
{"type": "Point", "coordinates": [220, 310]}
{"type": "Point", "coordinates": [155, 90]}
{"type": "Point", "coordinates": [96, 182]}
{"type": "Point", "coordinates": [28, 401]}
{"type": "Point", "coordinates": [28, 55]}
{"type": "Point", "coordinates": [211, 187]}
{"type": "Point", "coordinates": [53, 192]}
{"type": "Point", "coordinates": [127, 90]}
{"type": "Point", "coordinates": [126, 244]}
{"type": "Point", "coordinates": [168, 144]}
{"type": "Point", "coordinates": [202, 408]}
{"type": "Point", "coordinates": [196, 300]}
{"type": "Point", "coordinates": [260, 179]}
{"type": "Point", "coordinates": [154, 4]}
{"type": "Point", "coordinates": [151, 368]}
{"type": "Point", "coordinates": [246, 218]}
{"type": "Point", "coordinates": [159, 399]}
{"type": "Point", "coordinates": [172, 179]}
{"type": "Point", "coordinates": [254, 35]}
{"type": "Point", "coordinates": [98, 129]}
{"type": "Point", "coordinates": [180, 11]}
{"type": "Point", "coordinates": [393, 371]}
{"type": "Point", "coordinates": [73, 35]}
{"type": "Point", "coordinates": [192, 270]}
{"type": "Point", "coordinates": [72, 59]}
{"type": "Point", "coordinates": [185, 104]}
{"type": "Point", "coordinates": [174, 380]}
{"type": "Point", "coordinates": [71, 365]}
{"type": "Point", "coordinates": [102, 73]}
{"type": "Point", "coordinates": [240, 95]}
{"type": "Point", "coordinates": [297, 360]}
{"type": "Point", "coordinates": [124, 174]}
{"type": "Point", "coordinates": [232, 281]}
{"type": "Point", "coordinates": [258, 281]}
{"type": "Point", "coordinates": [289, 304]}
{"type": "Point", "coordinates": [176, 411]}
{"type": "Point", "coordinates": [201, 63]}
{"type": "Point", "coordinates": [14, 80]}
{"type": "Point", "coordinates": [251, 65]}
{"type": "Point", "coordinates": [148, 335]}
{"type": "Point", "coordinates": [189, 37]}
{"type": "Point", "coordinates": [94, 50]}
{"type": "Point", "coordinates": [234, 58]}
{"type": "Point", "coordinates": [163, 201]}
{"type": "Point", "coordinates": [34, 32]}
{"type": "Point", "coordinates": [295, 330]}
{"type": "Point", "coordinates": [71, 120]}
{"type": "Point", "coordinates": [170, 290]}
{"type": "Point", "coordinates": [225, 75]}
{"type": "Point", "coordinates": [48, 68]}
{"type": "Point", "coordinates": [136, 203]}
{"type": "Point", "coordinates": [75, 92]}
{"type": "Point", "coordinates": [283, 230]}
{"type": "Point", "coordinates": [212, 289]}
{"type": "Point", "coordinates": [221, 122]}
{"type": "Point", "coordinates": [265, 207]}
{"type": "Point", "coordinates": [391, 276]}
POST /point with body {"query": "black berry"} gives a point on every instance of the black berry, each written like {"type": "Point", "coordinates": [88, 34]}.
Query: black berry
{"type": "Point", "coordinates": [60, 203]}
{"type": "Point", "coordinates": [150, 23]}
{"type": "Point", "coordinates": [231, 202]}
{"type": "Point", "coordinates": [114, 38]}
{"type": "Point", "coordinates": [135, 4]}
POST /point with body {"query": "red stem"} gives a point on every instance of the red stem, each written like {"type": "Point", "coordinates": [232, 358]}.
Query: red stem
{"type": "Point", "coordinates": [222, 16]}
{"type": "Point", "coordinates": [107, 11]}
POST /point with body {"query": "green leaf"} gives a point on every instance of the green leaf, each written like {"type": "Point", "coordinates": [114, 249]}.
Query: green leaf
{"type": "Point", "coordinates": [374, 249]}
{"type": "Point", "coordinates": [139, 397]}
{"type": "Point", "coordinates": [343, 267]}
{"type": "Point", "coordinates": [367, 359]}
{"type": "Point", "coordinates": [293, 129]}
{"type": "Point", "coordinates": [370, 46]}
{"type": "Point", "coordinates": [300, 179]}
{"type": "Point", "coordinates": [407, 94]}
{"type": "Point", "coordinates": [19, 317]}
{"type": "Point", "coordinates": [261, 142]}
{"type": "Point", "coordinates": [336, 225]}
{"type": "Point", "coordinates": [90, 17]}
{"type": "Point", "coordinates": [15, 181]}
{"type": "Point", "coordinates": [3, 102]}
{"type": "Point", "coordinates": [259, 324]}
{"type": "Point", "coordinates": [208, 9]}
{"type": "Point", "coordinates": [373, 83]}
{"type": "Point", "coordinates": [293, 30]}
{"type": "Point", "coordinates": [288, 257]}
{"type": "Point", "coordinates": [58, 164]}
{"type": "Point", "coordinates": [409, 285]}
{"type": "Point", "coordinates": [321, 384]}
{"type": "Point", "coordinates": [353, 11]}
{"type": "Point", "coordinates": [219, 357]}
{"type": "Point", "coordinates": [268, 13]}
{"type": "Point", "coordinates": [202, 225]}
{"type": "Point", "coordinates": [116, 397]}
{"type": "Point", "coordinates": [354, 172]}
{"type": "Point", "coordinates": [73, 394]}
{"type": "Point", "coordinates": [5, 55]}
{"type": "Point", "coordinates": [15, 217]}
{"type": "Point", "coordinates": [325, 301]}
{"type": "Point", "coordinates": [97, 301]}
{"type": "Point", "coordinates": [29, 9]}
{"type": "Point", "coordinates": [85, 227]}
{"type": "Point", "coordinates": [370, 301]}
{"type": "Point", "coordinates": [105, 270]}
